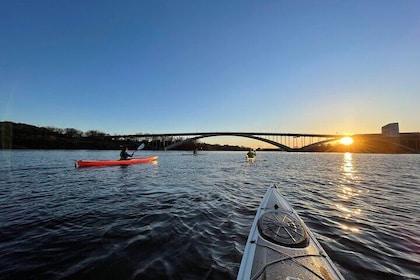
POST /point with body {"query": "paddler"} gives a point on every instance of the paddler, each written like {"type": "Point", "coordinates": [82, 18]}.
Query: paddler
{"type": "Point", "coordinates": [251, 153]}
{"type": "Point", "coordinates": [124, 154]}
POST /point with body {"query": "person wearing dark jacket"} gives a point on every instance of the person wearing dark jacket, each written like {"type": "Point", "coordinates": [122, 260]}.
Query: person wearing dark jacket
{"type": "Point", "coordinates": [124, 154]}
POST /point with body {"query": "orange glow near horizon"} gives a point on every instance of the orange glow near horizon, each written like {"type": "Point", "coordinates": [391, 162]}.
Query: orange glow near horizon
{"type": "Point", "coordinates": [346, 140]}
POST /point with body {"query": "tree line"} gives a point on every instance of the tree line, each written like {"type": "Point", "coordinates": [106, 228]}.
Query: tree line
{"type": "Point", "coordinates": [25, 136]}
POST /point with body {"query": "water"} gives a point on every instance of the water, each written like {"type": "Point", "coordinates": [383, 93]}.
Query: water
{"type": "Point", "coordinates": [188, 217]}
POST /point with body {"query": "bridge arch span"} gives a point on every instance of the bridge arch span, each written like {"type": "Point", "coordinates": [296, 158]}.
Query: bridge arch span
{"type": "Point", "coordinates": [279, 145]}
{"type": "Point", "coordinates": [311, 147]}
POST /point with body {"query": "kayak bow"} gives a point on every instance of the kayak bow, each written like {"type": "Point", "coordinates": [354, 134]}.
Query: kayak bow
{"type": "Point", "coordinates": [281, 246]}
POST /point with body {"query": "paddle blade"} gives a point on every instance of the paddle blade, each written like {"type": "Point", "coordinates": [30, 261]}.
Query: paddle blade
{"type": "Point", "coordinates": [141, 146]}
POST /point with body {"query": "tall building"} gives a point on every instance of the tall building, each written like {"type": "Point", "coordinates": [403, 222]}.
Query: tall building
{"type": "Point", "coordinates": [391, 130]}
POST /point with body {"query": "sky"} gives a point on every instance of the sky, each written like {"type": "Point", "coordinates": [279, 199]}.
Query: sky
{"type": "Point", "coordinates": [126, 67]}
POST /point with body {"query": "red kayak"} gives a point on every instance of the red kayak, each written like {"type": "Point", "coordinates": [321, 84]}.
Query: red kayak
{"type": "Point", "coordinates": [89, 163]}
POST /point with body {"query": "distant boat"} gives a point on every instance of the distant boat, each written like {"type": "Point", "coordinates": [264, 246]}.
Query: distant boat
{"type": "Point", "coordinates": [249, 159]}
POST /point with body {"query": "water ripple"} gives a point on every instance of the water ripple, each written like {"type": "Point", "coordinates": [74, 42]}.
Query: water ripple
{"type": "Point", "coordinates": [189, 217]}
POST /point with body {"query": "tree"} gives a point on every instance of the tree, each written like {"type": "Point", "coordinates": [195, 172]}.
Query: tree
{"type": "Point", "coordinates": [94, 133]}
{"type": "Point", "coordinates": [73, 133]}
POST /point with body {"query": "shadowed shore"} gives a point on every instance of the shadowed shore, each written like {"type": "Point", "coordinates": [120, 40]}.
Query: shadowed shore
{"type": "Point", "coordinates": [25, 136]}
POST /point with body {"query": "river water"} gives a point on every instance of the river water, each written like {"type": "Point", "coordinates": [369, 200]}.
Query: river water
{"type": "Point", "coordinates": [188, 217]}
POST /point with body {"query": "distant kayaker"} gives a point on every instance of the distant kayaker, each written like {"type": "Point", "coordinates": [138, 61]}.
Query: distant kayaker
{"type": "Point", "coordinates": [124, 154]}
{"type": "Point", "coordinates": [251, 153]}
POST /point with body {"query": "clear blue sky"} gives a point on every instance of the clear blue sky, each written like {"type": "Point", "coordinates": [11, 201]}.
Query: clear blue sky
{"type": "Point", "coordinates": [199, 66]}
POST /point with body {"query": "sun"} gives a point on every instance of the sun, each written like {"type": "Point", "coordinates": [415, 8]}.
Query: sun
{"type": "Point", "coordinates": [346, 140]}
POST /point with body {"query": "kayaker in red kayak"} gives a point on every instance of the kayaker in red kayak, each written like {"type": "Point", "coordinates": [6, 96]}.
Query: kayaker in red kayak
{"type": "Point", "coordinates": [124, 154]}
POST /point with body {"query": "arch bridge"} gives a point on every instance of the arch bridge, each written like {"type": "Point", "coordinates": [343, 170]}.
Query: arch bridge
{"type": "Point", "coordinates": [289, 142]}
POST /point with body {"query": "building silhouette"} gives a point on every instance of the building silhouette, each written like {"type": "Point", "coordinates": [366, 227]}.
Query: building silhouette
{"type": "Point", "coordinates": [391, 130]}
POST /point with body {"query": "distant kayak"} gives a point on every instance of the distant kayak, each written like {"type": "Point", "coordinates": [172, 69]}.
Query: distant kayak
{"type": "Point", "coordinates": [281, 246]}
{"type": "Point", "coordinates": [249, 159]}
{"type": "Point", "coordinates": [90, 163]}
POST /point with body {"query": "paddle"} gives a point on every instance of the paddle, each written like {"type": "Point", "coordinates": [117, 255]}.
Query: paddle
{"type": "Point", "coordinates": [138, 148]}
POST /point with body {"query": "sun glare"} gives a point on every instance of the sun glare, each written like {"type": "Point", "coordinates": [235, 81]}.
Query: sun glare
{"type": "Point", "coordinates": [346, 140]}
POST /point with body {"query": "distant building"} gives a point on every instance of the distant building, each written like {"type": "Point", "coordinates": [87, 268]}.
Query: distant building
{"type": "Point", "coordinates": [391, 130]}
